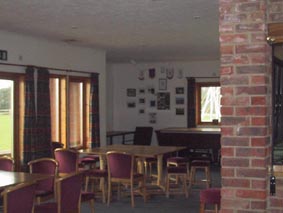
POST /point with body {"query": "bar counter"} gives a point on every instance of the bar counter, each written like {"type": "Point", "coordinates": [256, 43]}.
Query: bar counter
{"type": "Point", "coordinates": [192, 138]}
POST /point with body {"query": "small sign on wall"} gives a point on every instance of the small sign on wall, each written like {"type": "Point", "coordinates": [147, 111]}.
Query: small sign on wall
{"type": "Point", "coordinates": [3, 55]}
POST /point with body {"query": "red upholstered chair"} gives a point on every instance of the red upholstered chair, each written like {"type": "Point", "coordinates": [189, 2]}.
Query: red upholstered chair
{"type": "Point", "coordinates": [200, 165]}
{"type": "Point", "coordinates": [143, 136]}
{"type": "Point", "coordinates": [211, 196]}
{"type": "Point", "coordinates": [68, 196]}
{"type": "Point", "coordinates": [88, 197]}
{"type": "Point", "coordinates": [7, 163]}
{"type": "Point", "coordinates": [121, 170]}
{"type": "Point", "coordinates": [45, 188]}
{"type": "Point", "coordinates": [89, 160]}
{"type": "Point", "coordinates": [19, 198]}
{"type": "Point", "coordinates": [179, 172]}
{"type": "Point", "coordinates": [68, 160]}
{"type": "Point", "coordinates": [179, 161]}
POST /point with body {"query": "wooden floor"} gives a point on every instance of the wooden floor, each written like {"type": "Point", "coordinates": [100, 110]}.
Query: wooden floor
{"type": "Point", "coordinates": [157, 203]}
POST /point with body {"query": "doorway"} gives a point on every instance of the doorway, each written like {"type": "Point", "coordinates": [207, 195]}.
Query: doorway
{"type": "Point", "coordinates": [6, 117]}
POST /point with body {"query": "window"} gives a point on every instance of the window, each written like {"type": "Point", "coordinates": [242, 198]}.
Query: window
{"type": "Point", "coordinates": [6, 116]}
{"type": "Point", "coordinates": [208, 103]}
{"type": "Point", "coordinates": [69, 110]}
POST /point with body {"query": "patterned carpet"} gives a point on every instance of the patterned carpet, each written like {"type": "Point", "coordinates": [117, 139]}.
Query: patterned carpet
{"type": "Point", "coordinates": [157, 203]}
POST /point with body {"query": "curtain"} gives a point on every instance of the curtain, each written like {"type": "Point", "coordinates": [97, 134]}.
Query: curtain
{"type": "Point", "coordinates": [191, 102]}
{"type": "Point", "coordinates": [37, 127]}
{"type": "Point", "coordinates": [29, 117]}
{"type": "Point", "coordinates": [94, 110]}
{"type": "Point", "coordinates": [43, 126]}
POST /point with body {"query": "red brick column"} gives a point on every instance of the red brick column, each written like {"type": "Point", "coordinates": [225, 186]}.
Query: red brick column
{"type": "Point", "coordinates": [275, 15]}
{"type": "Point", "coordinates": [246, 106]}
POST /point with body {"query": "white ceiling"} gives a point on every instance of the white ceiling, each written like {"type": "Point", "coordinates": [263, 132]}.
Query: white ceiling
{"type": "Point", "coordinates": [129, 30]}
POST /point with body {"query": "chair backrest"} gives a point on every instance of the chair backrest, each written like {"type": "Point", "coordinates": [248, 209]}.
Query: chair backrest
{"type": "Point", "coordinates": [19, 198]}
{"type": "Point", "coordinates": [7, 163]}
{"type": "Point", "coordinates": [44, 166]}
{"type": "Point", "coordinates": [120, 164]}
{"type": "Point", "coordinates": [69, 192]}
{"type": "Point", "coordinates": [143, 135]}
{"type": "Point", "coordinates": [67, 160]}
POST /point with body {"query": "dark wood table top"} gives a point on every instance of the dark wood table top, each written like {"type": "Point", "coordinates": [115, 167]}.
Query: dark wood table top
{"type": "Point", "coordinates": [199, 130]}
{"type": "Point", "coordinates": [12, 178]}
{"type": "Point", "coordinates": [137, 150]}
{"type": "Point", "coordinates": [116, 133]}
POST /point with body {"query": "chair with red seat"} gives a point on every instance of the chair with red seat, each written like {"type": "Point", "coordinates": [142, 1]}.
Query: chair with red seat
{"type": "Point", "coordinates": [68, 196]}
{"type": "Point", "coordinates": [179, 161]}
{"type": "Point", "coordinates": [121, 170]}
{"type": "Point", "coordinates": [19, 198]}
{"type": "Point", "coordinates": [45, 188]}
{"type": "Point", "coordinates": [211, 196]}
{"type": "Point", "coordinates": [7, 163]}
{"type": "Point", "coordinates": [200, 165]}
{"type": "Point", "coordinates": [143, 136]}
{"type": "Point", "coordinates": [68, 160]}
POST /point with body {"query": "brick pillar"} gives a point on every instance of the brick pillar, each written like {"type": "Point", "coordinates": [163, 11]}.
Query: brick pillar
{"type": "Point", "coordinates": [275, 15]}
{"type": "Point", "coordinates": [246, 106]}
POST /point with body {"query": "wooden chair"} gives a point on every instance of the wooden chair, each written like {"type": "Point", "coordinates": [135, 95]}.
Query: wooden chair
{"type": "Point", "coordinates": [179, 172]}
{"type": "Point", "coordinates": [143, 136]}
{"type": "Point", "coordinates": [19, 198]}
{"type": "Point", "coordinates": [68, 195]}
{"type": "Point", "coordinates": [211, 196]}
{"type": "Point", "coordinates": [121, 170]}
{"type": "Point", "coordinates": [45, 188]}
{"type": "Point", "coordinates": [7, 163]}
{"type": "Point", "coordinates": [198, 165]}
{"type": "Point", "coordinates": [69, 162]}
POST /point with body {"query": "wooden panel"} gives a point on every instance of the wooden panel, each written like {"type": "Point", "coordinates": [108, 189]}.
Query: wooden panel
{"type": "Point", "coordinates": [275, 32]}
{"type": "Point", "coordinates": [192, 138]}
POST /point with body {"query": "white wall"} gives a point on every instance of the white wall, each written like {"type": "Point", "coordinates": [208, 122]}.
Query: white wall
{"type": "Point", "coordinates": [124, 76]}
{"type": "Point", "coordinates": [40, 52]}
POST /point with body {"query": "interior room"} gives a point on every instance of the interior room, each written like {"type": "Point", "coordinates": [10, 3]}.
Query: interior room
{"type": "Point", "coordinates": [204, 76]}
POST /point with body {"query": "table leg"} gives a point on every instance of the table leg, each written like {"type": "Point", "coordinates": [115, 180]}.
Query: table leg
{"type": "Point", "coordinates": [160, 170]}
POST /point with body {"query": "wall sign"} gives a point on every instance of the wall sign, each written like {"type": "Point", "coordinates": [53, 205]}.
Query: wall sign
{"type": "Point", "coordinates": [3, 55]}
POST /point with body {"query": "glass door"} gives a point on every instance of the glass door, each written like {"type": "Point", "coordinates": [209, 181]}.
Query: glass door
{"type": "Point", "coordinates": [6, 117]}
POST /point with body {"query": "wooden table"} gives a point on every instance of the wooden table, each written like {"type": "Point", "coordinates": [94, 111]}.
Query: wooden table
{"type": "Point", "coordinates": [12, 178]}
{"type": "Point", "coordinates": [192, 138]}
{"type": "Point", "coordinates": [111, 134]}
{"type": "Point", "coordinates": [138, 151]}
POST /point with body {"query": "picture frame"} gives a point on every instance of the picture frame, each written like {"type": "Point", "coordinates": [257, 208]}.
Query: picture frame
{"type": "Point", "coordinates": [141, 101]}
{"type": "Point", "coordinates": [162, 84]}
{"type": "Point", "coordinates": [163, 101]}
{"type": "Point", "coordinates": [180, 100]}
{"type": "Point", "coordinates": [152, 103]}
{"type": "Point", "coordinates": [179, 90]}
{"type": "Point", "coordinates": [131, 92]}
{"type": "Point", "coordinates": [180, 111]}
{"type": "Point", "coordinates": [131, 104]}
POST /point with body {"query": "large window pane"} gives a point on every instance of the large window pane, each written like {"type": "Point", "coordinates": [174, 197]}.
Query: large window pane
{"type": "Point", "coordinates": [210, 104]}
{"type": "Point", "coordinates": [6, 116]}
{"type": "Point", "coordinates": [76, 114]}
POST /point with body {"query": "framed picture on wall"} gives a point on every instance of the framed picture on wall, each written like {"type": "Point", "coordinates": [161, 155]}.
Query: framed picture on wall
{"type": "Point", "coordinates": [131, 92]}
{"type": "Point", "coordinates": [163, 100]}
{"type": "Point", "coordinates": [180, 100]}
{"type": "Point", "coordinates": [180, 111]}
{"type": "Point", "coordinates": [162, 84]}
{"type": "Point", "coordinates": [131, 104]}
{"type": "Point", "coordinates": [141, 100]}
{"type": "Point", "coordinates": [179, 90]}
